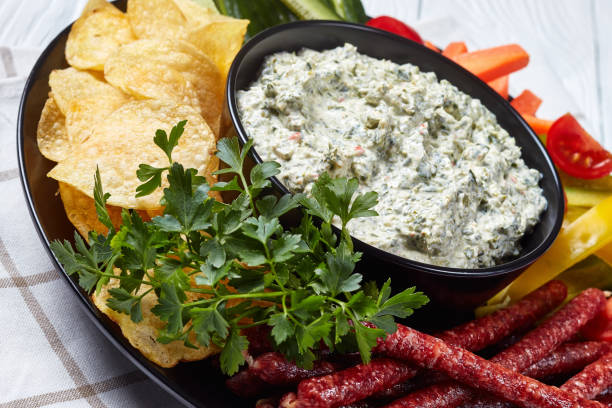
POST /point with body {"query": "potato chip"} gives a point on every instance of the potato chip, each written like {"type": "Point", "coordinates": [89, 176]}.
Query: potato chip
{"type": "Point", "coordinates": [71, 84]}
{"type": "Point", "coordinates": [125, 139]}
{"type": "Point", "coordinates": [98, 33]}
{"type": "Point", "coordinates": [220, 40]}
{"type": "Point", "coordinates": [51, 134]}
{"type": "Point", "coordinates": [194, 13]}
{"type": "Point", "coordinates": [219, 37]}
{"type": "Point", "coordinates": [156, 18]}
{"type": "Point", "coordinates": [85, 99]}
{"type": "Point", "coordinates": [81, 211]}
{"type": "Point", "coordinates": [169, 70]}
{"type": "Point", "coordinates": [84, 114]}
{"type": "Point", "coordinates": [143, 335]}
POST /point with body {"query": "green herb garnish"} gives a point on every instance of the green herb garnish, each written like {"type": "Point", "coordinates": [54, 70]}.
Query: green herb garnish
{"type": "Point", "coordinates": [300, 281]}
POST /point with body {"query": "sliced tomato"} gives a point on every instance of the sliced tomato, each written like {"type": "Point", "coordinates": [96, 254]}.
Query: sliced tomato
{"type": "Point", "coordinates": [575, 151]}
{"type": "Point", "coordinates": [395, 26]}
{"type": "Point", "coordinates": [600, 328]}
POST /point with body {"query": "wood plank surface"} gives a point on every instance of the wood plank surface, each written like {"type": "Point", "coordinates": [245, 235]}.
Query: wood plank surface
{"type": "Point", "coordinates": [602, 10]}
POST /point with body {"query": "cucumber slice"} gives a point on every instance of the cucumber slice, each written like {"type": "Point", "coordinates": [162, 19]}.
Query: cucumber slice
{"type": "Point", "coordinates": [311, 10]}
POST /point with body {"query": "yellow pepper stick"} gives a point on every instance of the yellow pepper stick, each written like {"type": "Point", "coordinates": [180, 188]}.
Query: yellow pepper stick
{"type": "Point", "coordinates": [581, 197]}
{"type": "Point", "coordinates": [573, 213]}
{"type": "Point", "coordinates": [589, 233]}
{"type": "Point", "coordinates": [605, 254]}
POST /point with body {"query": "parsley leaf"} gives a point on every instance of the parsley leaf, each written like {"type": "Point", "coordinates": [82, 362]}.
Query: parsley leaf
{"type": "Point", "coordinates": [337, 275]}
{"type": "Point", "coordinates": [151, 178]}
{"type": "Point", "coordinates": [187, 200]}
{"type": "Point", "coordinates": [282, 328]}
{"type": "Point", "coordinates": [217, 268]}
{"type": "Point", "coordinates": [167, 144]}
{"type": "Point", "coordinates": [231, 355]}
{"type": "Point", "coordinates": [100, 199]}
{"type": "Point", "coordinates": [170, 308]}
{"type": "Point", "coordinates": [208, 321]}
{"type": "Point", "coordinates": [122, 301]}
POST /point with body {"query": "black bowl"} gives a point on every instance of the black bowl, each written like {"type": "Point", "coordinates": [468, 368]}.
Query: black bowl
{"type": "Point", "coordinates": [449, 288]}
{"type": "Point", "coordinates": [198, 384]}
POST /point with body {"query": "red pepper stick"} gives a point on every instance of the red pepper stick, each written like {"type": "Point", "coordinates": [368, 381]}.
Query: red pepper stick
{"type": "Point", "coordinates": [344, 387]}
{"type": "Point", "coordinates": [461, 365]}
{"type": "Point", "coordinates": [593, 380]}
{"type": "Point", "coordinates": [533, 347]}
{"type": "Point", "coordinates": [568, 358]}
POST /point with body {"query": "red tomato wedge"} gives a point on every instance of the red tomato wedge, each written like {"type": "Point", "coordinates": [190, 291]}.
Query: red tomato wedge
{"type": "Point", "coordinates": [395, 26]}
{"type": "Point", "coordinates": [575, 151]}
{"type": "Point", "coordinates": [600, 328]}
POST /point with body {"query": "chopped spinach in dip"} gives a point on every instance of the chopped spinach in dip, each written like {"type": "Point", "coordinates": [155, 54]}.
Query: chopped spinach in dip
{"type": "Point", "coordinates": [453, 189]}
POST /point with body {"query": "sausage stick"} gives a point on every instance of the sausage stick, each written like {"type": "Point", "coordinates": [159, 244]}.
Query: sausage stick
{"type": "Point", "coordinates": [343, 388]}
{"type": "Point", "coordinates": [568, 358]}
{"type": "Point", "coordinates": [274, 369]}
{"type": "Point", "coordinates": [593, 380]}
{"type": "Point", "coordinates": [553, 332]}
{"type": "Point", "coordinates": [461, 365]}
{"type": "Point", "coordinates": [493, 328]}
{"type": "Point", "coordinates": [533, 347]}
{"type": "Point", "coordinates": [246, 384]}
{"type": "Point", "coordinates": [353, 384]}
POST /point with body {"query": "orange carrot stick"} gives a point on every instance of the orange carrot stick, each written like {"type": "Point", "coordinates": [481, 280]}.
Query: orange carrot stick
{"type": "Point", "coordinates": [431, 46]}
{"type": "Point", "coordinates": [527, 103]}
{"type": "Point", "coordinates": [455, 48]}
{"type": "Point", "coordinates": [500, 85]}
{"type": "Point", "coordinates": [492, 63]}
{"type": "Point", "coordinates": [539, 126]}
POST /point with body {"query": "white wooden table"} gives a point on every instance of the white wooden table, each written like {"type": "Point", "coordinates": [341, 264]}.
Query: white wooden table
{"type": "Point", "coordinates": [571, 63]}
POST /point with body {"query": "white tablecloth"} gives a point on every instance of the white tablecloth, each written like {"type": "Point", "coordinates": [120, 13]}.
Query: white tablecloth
{"type": "Point", "coordinates": [50, 352]}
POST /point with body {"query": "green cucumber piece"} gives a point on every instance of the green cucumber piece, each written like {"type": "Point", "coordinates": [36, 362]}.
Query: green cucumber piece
{"type": "Point", "coordinates": [349, 10]}
{"type": "Point", "coordinates": [262, 14]}
{"type": "Point", "coordinates": [311, 10]}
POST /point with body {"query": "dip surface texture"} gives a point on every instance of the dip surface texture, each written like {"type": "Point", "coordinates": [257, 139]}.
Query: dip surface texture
{"type": "Point", "coordinates": [453, 189]}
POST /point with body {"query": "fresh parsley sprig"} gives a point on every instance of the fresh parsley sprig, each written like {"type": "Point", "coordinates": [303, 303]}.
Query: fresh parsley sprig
{"type": "Point", "coordinates": [218, 268]}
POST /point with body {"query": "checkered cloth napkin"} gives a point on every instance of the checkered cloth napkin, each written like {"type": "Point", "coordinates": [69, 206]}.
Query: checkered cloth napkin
{"type": "Point", "coordinates": [51, 354]}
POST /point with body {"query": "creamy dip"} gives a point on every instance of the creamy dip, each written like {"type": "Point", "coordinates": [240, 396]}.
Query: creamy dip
{"type": "Point", "coordinates": [453, 189]}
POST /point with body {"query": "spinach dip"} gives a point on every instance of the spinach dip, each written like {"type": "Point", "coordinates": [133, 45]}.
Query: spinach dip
{"type": "Point", "coordinates": [453, 189]}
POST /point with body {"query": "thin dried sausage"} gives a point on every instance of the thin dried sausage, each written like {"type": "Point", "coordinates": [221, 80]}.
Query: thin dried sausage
{"type": "Point", "coordinates": [474, 335]}
{"type": "Point", "coordinates": [274, 369]}
{"type": "Point", "coordinates": [353, 384]}
{"type": "Point", "coordinates": [593, 380]}
{"type": "Point", "coordinates": [568, 358]}
{"type": "Point", "coordinates": [493, 328]}
{"type": "Point", "coordinates": [534, 346]}
{"type": "Point", "coordinates": [461, 365]}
